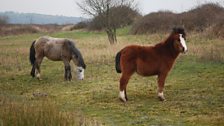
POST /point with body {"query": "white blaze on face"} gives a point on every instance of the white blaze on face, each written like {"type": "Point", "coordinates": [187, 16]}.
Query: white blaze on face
{"type": "Point", "coordinates": [80, 73]}
{"type": "Point", "coordinates": [122, 96]}
{"type": "Point", "coordinates": [183, 43]}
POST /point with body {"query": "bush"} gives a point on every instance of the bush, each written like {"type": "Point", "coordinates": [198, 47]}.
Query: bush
{"type": "Point", "coordinates": [155, 22]}
{"type": "Point", "coordinates": [81, 25]}
{"type": "Point", "coordinates": [202, 17]}
{"type": "Point", "coordinates": [197, 19]}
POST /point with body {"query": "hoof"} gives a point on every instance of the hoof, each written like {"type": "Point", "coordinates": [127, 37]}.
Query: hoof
{"type": "Point", "coordinates": [161, 98]}
{"type": "Point", "coordinates": [122, 100]}
{"type": "Point", "coordinates": [38, 77]}
{"type": "Point", "coordinates": [122, 96]}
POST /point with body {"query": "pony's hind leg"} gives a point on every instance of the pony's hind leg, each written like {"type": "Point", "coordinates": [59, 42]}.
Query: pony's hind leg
{"type": "Point", "coordinates": [37, 66]}
{"type": "Point", "coordinates": [32, 73]}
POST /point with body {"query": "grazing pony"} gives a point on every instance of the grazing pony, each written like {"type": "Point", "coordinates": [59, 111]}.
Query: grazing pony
{"type": "Point", "coordinates": [150, 60]}
{"type": "Point", "coordinates": [56, 49]}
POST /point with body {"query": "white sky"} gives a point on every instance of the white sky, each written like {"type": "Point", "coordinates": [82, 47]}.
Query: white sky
{"type": "Point", "coordinates": [69, 7]}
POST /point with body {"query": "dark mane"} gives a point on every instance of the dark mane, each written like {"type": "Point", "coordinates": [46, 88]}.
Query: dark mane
{"type": "Point", "coordinates": [77, 53]}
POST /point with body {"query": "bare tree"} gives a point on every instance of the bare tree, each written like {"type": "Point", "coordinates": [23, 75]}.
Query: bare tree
{"type": "Point", "coordinates": [107, 13]}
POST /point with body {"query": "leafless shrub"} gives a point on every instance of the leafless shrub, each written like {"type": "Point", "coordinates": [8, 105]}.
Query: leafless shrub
{"type": "Point", "coordinates": [81, 25]}
{"type": "Point", "coordinates": [202, 17]}
{"type": "Point", "coordinates": [198, 19]}
{"type": "Point", "coordinates": [155, 22]}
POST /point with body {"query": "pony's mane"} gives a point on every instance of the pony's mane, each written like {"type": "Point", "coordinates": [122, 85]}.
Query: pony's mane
{"type": "Point", "coordinates": [76, 52]}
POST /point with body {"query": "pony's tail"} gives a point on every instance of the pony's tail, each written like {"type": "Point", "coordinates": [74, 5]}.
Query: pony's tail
{"type": "Point", "coordinates": [117, 62]}
{"type": "Point", "coordinates": [32, 53]}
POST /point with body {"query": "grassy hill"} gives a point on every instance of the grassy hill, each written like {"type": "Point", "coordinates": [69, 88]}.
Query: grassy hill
{"type": "Point", "coordinates": [194, 89]}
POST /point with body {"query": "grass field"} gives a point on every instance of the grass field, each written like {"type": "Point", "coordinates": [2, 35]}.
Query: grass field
{"type": "Point", "coordinates": [194, 89]}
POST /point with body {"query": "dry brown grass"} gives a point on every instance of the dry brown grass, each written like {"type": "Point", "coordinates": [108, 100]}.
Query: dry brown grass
{"type": "Point", "coordinates": [16, 29]}
{"type": "Point", "coordinates": [39, 113]}
{"type": "Point", "coordinates": [206, 49]}
{"type": "Point", "coordinates": [216, 30]}
{"type": "Point", "coordinates": [12, 59]}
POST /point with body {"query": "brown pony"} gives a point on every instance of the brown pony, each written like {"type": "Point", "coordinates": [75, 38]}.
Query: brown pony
{"type": "Point", "coordinates": [150, 60]}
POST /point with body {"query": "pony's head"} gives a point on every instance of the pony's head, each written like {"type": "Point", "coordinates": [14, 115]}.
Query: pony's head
{"type": "Point", "coordinates": [179, 37]}
{"type": "Point", "coordinates": [78, 60]}
{"type": "Point", "coordinates": [81, 66]}
{"type": "Point", "coordinates": [80, 73]}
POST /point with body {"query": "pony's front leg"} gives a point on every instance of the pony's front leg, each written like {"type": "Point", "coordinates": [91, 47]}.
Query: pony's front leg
{"type": "Point", "coordinates": [67, 75]}
{"type": "Point", "coordinates": [123, 85]}
{"type": "Point", "coordinates": [161, 82]}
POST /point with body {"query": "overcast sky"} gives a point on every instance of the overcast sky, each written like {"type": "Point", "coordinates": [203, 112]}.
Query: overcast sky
{"type": "Point", "coordinates": [69, 7]}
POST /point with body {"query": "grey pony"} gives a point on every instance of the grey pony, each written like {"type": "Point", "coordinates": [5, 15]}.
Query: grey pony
{"type": "Point", "coordinates": [56, 49]}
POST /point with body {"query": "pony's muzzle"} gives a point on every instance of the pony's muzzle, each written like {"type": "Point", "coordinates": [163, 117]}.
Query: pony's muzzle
{"type": "Point", "coordinates": [185, 50]}
{"type": "Point", "coordinates": [80, 73]}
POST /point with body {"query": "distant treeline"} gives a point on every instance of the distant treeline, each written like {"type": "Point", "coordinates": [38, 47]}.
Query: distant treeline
{"type": "Point", "coordinates": [31, 18]}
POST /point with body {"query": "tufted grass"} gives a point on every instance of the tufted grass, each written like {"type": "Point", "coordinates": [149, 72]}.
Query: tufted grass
{"type": "Point", "coordinates": [194, 89]}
